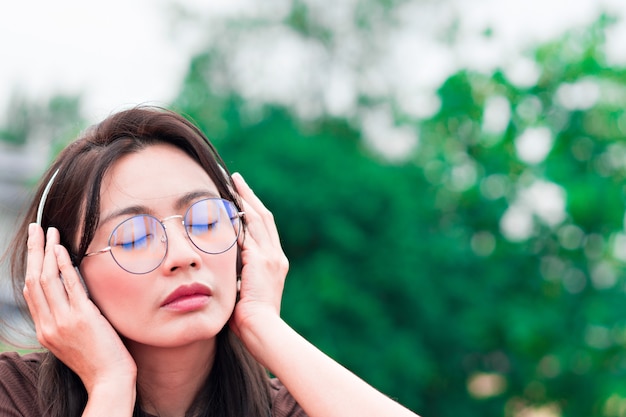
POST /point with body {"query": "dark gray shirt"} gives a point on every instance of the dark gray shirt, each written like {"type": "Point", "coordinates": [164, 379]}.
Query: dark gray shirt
{"type": "Point", "coordinates": [18, 389]}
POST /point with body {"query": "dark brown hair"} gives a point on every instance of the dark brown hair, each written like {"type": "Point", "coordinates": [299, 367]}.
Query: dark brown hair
{"type": "Point", "coordinates": [237, 384]}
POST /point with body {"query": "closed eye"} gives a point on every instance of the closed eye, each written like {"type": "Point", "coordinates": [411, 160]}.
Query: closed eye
{"type": "Point", "coordinates": [139, 243]}
{"type": "Point", "coordinates": [199, 228]}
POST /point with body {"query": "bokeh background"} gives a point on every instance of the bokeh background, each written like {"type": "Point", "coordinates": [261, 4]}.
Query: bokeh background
{"type": "Point", "coordinates": [447, 176]}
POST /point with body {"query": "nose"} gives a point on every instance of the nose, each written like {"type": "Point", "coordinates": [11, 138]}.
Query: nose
{"type": "Point", "coordinates": [181, 252]}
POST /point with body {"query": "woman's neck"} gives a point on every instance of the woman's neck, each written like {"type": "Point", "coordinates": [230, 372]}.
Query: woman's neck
{"type": "Point", "coordinates": [168, 379]}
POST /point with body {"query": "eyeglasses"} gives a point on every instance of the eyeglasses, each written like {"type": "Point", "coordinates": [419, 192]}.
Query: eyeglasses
{"type": "Point", "coordinates": [139, 244]}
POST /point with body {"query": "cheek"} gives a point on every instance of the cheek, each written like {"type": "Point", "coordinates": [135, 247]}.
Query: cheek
{"type": "Point", "coordinates": [111, 289]}
{"type": "Point", "coordinates": [221, 274]}
{"type": "Point", "coordinates": [223, 269]}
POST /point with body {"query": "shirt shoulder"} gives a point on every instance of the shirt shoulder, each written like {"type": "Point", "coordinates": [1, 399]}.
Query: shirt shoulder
{"type": "Point", "coordinates": [18, 384]}
{"type": "Point", "coordinates": [283, 404]}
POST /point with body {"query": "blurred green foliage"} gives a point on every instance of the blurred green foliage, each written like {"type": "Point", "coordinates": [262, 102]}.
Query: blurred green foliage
{"type": "Point", "coordinates": [27, 120]}
{"type": "Point", "coordinates": [474, 278]}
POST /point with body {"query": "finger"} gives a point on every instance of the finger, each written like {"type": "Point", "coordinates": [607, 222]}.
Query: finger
{"type": "Point", "coordinates": [50, 279]}
{"type": "Point", "coordinates": [260, 220]}
{"type": "Point", "coordinates": [35, 252]}
{"type": "Point", "coordinates": [260, 227]}
{"type": "Point", "coordinates": [71, 279]}
{"type": "Point", "coordinates": [244, 189]}
{"type": "Point", "coordinates": [35, 298]}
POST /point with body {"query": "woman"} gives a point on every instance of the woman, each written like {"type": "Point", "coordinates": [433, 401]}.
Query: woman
{"type": "Point", "coordinates": [156, 289]}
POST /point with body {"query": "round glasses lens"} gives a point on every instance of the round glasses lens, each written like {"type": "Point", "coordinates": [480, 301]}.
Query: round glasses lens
{"type": "Point", "coordinates": [138, 244]}
{"type": "Point", "coordinates": [213, 225]}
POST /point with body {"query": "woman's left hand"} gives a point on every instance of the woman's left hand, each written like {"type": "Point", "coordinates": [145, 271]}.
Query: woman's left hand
{"type": "Point", "coordinates": [264, 263]}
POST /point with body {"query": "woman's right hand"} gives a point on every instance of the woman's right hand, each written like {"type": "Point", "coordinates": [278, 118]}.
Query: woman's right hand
{"type": "Point", "coordinates": [68, 323]}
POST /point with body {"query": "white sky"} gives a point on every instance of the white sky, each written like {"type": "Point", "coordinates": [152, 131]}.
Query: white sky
{"type": "Point", "coordinates": [123, 52]}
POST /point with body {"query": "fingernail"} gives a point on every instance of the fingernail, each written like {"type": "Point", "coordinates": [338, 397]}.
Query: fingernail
{"type": "Point", "coordinates": [51, 233]}
{"type": "Point", "coordinates": [31, 229]}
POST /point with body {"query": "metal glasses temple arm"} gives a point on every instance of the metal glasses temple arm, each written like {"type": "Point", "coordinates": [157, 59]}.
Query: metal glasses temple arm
{"type": "Point", "coordinates": [107, 249]}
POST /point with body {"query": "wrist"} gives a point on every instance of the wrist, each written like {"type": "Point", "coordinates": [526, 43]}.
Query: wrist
{"type": "Point", "coordinates": [111, 397]}
{"type": "Point", "coordinates": [260, 332]}
{"type": "Point", "coordinates": [115, 376]}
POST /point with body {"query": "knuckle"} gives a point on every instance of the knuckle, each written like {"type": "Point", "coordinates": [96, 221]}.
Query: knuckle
{"type": "Point", "coordinates": [69, 282]}
{"type": "Point", "coordinates": [44, 281]}
{"type": "Point", "coordinates": [278, 262]}
{"type": "Point", "coordinates": [29, 279]}
{"type": "Point", "coordinates": [268, 214]}
{"type": "Point", "coordinates": [64, 327]}
{"type": "Point", "coordinates": [45, 335]}
{"type": "Point", "coordinates": [62, 263]}
{"type": "Point", "coordinates": [31, 245]}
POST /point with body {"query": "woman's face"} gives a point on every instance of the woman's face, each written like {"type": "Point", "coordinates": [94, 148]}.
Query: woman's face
{"type": "Point", "coordinates": [191, 295]}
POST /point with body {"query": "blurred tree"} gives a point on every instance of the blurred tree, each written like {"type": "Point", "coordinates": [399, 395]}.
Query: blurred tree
{"type": "Point", "coordinates": [56, 121]}
{"type": "Point", "coordinates": [478, 271]}
{"type": "Point", "coordinates": [16, 126]}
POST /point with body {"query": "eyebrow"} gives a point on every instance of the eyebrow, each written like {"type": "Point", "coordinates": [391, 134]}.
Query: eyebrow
{"type": "Point", "coordinates": [182, 202]}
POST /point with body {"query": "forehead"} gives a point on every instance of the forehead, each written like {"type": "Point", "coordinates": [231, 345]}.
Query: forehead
{"type": "Point", "coordinates": [153, 176]}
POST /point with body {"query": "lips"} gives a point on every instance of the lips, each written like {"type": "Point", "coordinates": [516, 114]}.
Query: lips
{"type": "Point", "coordinates": [185, 292]}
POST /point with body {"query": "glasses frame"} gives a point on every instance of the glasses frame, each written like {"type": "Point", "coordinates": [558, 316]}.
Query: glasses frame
{"type": "Point", "coordinates": [165, 240]}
